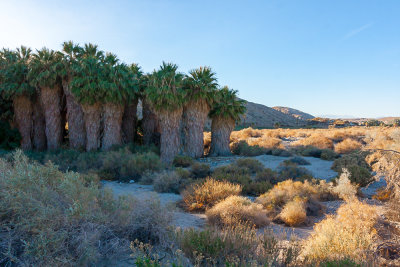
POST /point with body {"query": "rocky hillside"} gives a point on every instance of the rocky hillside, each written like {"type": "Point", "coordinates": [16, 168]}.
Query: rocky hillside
{"type": "Point", "coordinates": [260, 116]}
{"type": "Point", "coordinates": [294, 112]}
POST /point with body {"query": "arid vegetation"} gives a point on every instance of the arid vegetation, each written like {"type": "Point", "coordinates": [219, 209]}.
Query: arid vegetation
{"type": "Point", "coordinates": [74, 115]}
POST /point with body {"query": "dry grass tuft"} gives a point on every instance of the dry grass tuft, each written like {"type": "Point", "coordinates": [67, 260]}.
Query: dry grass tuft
{"type": "Point", "coordinates": [207, 194]}
{"type": "Point", "coordinates": [347, 146]}
{"type": "Point", "coordinates": [235, 210]}
{"type": "Point", "coordinates": [344, 188]}
{"type": "Point", "coordinates": [349, 234]}
{"type": "Point", "coordinates": [294, 212]}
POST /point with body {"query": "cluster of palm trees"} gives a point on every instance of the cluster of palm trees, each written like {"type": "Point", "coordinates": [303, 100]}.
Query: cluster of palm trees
{"type": "Point", "coordinates": [96, 97]}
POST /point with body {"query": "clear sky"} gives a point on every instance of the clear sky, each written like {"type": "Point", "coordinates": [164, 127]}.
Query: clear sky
{"type": "Point", "coordinates": [320, 56]}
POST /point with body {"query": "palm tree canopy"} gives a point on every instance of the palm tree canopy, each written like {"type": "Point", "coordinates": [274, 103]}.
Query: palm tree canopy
{"type": "Point", "coordinates": [70, 52]}
{"type": "Point", "coordinates": [14, 71]}
{"type": "Point", "coordinates": [227, 104]}
{"type": "Point", "coordinates": [100, 77]}
{"type": "Point", "coordinates": [165, 88]}
{"type": "Point", "coordinates": [45, 68]}
{"type": "Point", "coordinates": [201, 84]}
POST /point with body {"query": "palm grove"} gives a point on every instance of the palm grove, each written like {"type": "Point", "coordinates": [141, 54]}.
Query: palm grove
{"type": "Point", "coordinates": [88, 99]}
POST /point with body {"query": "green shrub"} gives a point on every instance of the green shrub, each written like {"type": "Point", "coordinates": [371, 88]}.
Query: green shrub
{"type": "Point", "coordinates": [288, 170]}
{"type": "Point", "coordinates": [267, 175]}
{"type": "Point", "coordinates": [200, 170]}
{"type": "Point", "coordinates": [298, 161]}
{"type": "Point", "coordinates": [356, 164]}
{"type": "Point", "coordinates": [342, 263]}
{"type": "Point", "coordinates": [182, 161]}
{"type": "Point", "coordinates": [66, 218]}
{"type": "Point", "coordinates": [252, 165]}
{"type": "Point", "coordinates": [242, 148]}
{"type": "Point", "coordinates": [310, 151]}
{"type": "Point", "coordinates": [360, 176]}
{"type": "Point", "coordinates": [167, 182]}
{"type": "Point", "coordinates": [280, 153]}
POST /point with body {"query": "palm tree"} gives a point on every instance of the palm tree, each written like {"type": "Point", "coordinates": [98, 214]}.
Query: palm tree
{"type": "Point", "coordinates": [119, 86]}
{"type": "Point", "coordinates": [15, 86]}
{"type": "Point", "coordinates": [167, 97]}
{"type": "Point", "coordinates": [150, 122]}
{"type": "Point", "coordinates": [44, 74]}
{"type": "Point", "coordinates": [75, 117]}
{"type": "Point", "coordinates": [201, 85]}
{"type": "Point", "coordinates": [226, 111]}
{"type": "Point", "coordinates": [86, 87]}
{"type": "Point", "coordinates": [129, 118]}
{"type": "Point", "coordinates": [39, 125]}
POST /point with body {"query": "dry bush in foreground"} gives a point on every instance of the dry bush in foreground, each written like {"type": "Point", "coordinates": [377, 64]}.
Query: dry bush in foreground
{"type": "Point", "coordinates": [235, 246]}
{"type": "Point", "coordinates": [294, 212]}
{"type": "Point", "coordinates": [347, 146]}
{"type": "Point", "coordinates": [344, 188]}
{"type": "Point", "coordinates": [207, 194]}
{"type": "Point", "coordinates": [50, 218]}
{"type": "Point", "coordinates": [349, 234]}
{"type": "Point", "coordinates": [235, 210]}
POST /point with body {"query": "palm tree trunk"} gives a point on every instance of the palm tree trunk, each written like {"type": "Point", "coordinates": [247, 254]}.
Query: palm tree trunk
{"type": "Point", "coordinates": [112, 125]}
{"type": "Point", "coordinates": [193, 120]}
{"type": "Point", "coordinates": [92, 117]}
{"type": "Point", "coordinates": [221, 129]}
{"type": "Point", "coordinates": [150, 125]}
{"type": "Point", "coordinates": [39, 126]}
{"type": "Point", "coordinates": [170, 134]}
{"type": "Point", "coordinates": [129, 122]}
{"type": "Point", "coordinates": [75, 119]}
{"type": "Point", "coordinates": [23, 116]}
{"type": "Point", "coordinates": [51, 103]}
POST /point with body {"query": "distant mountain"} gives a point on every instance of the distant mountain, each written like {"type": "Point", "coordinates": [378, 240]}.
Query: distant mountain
{"type": "Point", "coordinates": [330, 116]}
{"type": "Point", "coordinates": [260, 116]}
{"type": "Point", "coordinates": [294, 113]}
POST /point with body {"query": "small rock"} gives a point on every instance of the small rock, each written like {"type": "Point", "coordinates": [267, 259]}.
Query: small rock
{"type": "Point", "coordinates": [131, 181]}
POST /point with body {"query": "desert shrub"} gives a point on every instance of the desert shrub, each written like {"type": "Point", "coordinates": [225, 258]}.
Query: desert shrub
{"type": "Point", "coordinates": [252, 165]}
{"type": "Point", "coordinates": [316, 140]}
{"type": "Point", "coordinates": [294, 212]}
{"type": "Point", "coordinates": [183, 173]}
{"type": "Point", "coordinates": [235, 210]}
{"type": "Point", "coordinates": [344, 188]}
{"type": "Point", "coordinates": [117, 164]}
{"type": "Point", "coordinates": [348, 145]}
{"type": "Point", "coordinates": [182, 161]}
{"type": "Point", "coordinates": [67, 219]}
{"type": "Point", "coordinates": [298, 161]}
{"type": "Point", "coordinates": [310, 151]}
{"type": "Point", "coordinates": [267, 175]}
{"type": "Point", "coordinates": [349, 234]}
{"type": "Point", "coordinates": [276, 198]}
{"type": "Point", "coordinates": [207, 194]}
{"type": "Point", "coordinates": [167, 182]}
{"type": "Point", "coordinates": [359, 171]}
{"type": "Point", "coordinates": [353, 159]}
{"type": "Point", "coordinates": [244, 149]}
{"type": "Point", "coordinates": [280, 152]}
{"type": "Point", "coordinates": [235, 246]}
{"type": "Point", "coordinates": [288, 170]}
{"type": "Point", "coordinates": [327, 154]}
{"type": "Point", "coordinates": [243, 175]}
{"type": "Point", "coordinates": [200, 170]}
{"type": "Point", "coordinates": [342, 263]}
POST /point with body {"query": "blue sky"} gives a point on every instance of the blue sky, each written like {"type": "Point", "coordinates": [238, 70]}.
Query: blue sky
{"type": "Point", "coordinates": [322, 57]}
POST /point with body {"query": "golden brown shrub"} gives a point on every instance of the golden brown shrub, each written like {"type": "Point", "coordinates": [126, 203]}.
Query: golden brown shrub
{"type": "Point", "coordinates": [347, 145]}
{"type": "Point", "coordinates": [294, 212]}
{"type": "Point", "coordinates": [236, 210]}
{"type": "Point", "coordinates": [317, 140]}
{"type": "Point", "coordinates": [349, 234]}
{"type": "Point", "coordinates": [207, 194]}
